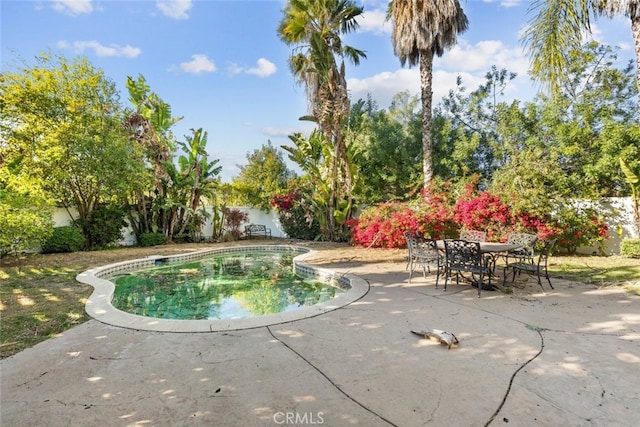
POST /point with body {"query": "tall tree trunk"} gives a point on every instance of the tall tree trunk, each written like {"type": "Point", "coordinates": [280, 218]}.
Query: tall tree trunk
{"type": "Point", "coordinates": [635, 30]}
{"type": "Point", "coordinates": [426, 80]}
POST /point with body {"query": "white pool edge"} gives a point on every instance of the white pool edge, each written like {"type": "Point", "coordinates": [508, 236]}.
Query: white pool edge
{"type": "Point", "coordinates": [99, 306]}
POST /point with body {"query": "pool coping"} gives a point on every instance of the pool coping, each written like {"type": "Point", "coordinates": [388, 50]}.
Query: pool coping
{"type": "Point", "coordinates": [99, 306]}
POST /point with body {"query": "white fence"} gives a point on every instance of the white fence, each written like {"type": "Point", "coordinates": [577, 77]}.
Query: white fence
{"type": "Point", "coordinates": [256, 216]}
{"type": "Point", "coordinates": [618, 210]}
{"type": "Point", "coordinates": [619, 213]}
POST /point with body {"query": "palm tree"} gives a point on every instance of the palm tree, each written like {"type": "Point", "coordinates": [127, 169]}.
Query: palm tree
{"type": "Point", "coordinates": [314, 28]}
{"type": "Point", "coordinates": [558, 27]}
{"type": "Point", "coordinates": [420, 30]}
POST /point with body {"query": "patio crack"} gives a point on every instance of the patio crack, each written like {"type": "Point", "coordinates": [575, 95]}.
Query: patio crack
{"type": "Point", "coordinates": [336, 386]}
{"type": "Point", "coordinates": [513, 376]}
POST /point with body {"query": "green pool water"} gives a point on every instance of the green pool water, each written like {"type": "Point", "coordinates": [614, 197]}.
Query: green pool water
{"type": "Point", "coordinates": [224, 286]}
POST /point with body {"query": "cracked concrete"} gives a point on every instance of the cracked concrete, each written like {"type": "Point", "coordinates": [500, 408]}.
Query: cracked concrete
{"type": "Point", "coordinates": [565, 357]}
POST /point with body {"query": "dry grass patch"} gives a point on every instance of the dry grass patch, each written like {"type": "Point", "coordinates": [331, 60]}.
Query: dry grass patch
{"type": "Point", "coordinates": [39, 296]}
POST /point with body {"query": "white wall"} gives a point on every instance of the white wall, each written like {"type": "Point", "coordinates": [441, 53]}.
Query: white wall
{"type": "Point", "coordinates": [620, 221]}
{"type": "Point", "coordinates": [619, 210]}
{"type": "Point", "coordinates": [256, 216]}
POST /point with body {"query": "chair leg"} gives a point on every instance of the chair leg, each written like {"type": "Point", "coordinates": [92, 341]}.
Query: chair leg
{"type": "Point", "coordinates": [546, 275]}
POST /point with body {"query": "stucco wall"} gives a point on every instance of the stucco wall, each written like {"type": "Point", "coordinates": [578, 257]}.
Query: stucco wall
{"type": "Point", "coordinates": [256, 216]}
{"type": "Point", "coordinates": [617, 209]}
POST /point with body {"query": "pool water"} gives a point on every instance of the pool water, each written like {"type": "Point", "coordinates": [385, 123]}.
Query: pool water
{"type": "Point", "coordinates": [224, 286]}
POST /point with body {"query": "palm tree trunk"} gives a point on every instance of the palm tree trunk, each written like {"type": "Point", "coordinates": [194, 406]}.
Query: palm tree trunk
{"type": "Point", "coordinates": [635, 30]}
{"type": "Point", "coordinates": [426, 80]}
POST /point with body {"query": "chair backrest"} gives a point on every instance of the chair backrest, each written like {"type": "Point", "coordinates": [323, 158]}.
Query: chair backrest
{"type": "Point", "coordinates": [426, 251]}
{"type": "Point", "coordinates": [421, 249]}
{"type": "Point", "coordinates": [410, 237]}
{"type": "Point", "coordinates": [528, 242]}
{"type": "Point", "coordinates": [462, 254]}
{"type": "Point", "coordinates": [545, 252]}
{"type": "Point", "coordinates": [473, 235]}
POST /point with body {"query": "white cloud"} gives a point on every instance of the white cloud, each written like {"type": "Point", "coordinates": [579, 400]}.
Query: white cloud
{"type": "Point", "coordinates": [285, 132]}
{"type": "Point", "coordinates": [481, 56]}
{"type": "Point", "coordinates": [264, 68]}
{"type": "Point", "coordinates": [471, 62]}
{"type": "Point", "coordinates": [176, 9]}
{"type": "Point", "coordinates": [304, 127]}
{"type": "Point", "coordinates": [199, 64]}
{"type": "Point", "coordinates": [73, 7]}
{"type": "Point", "coordinates": [374, 21]}
{"type": "Point", "coordinates": [510, 3]}
{"type": "Point", "coordinates": [112, 50]}
{"type": "Point", "coordinates": [506, 3]}
{"type": "Point", "coordinates": [384, 86]}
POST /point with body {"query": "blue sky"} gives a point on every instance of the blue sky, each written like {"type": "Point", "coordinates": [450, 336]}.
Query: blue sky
{"type": "Point", "coordinates": [221, 65]}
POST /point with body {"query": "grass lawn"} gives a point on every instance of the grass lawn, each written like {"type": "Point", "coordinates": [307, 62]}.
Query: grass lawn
{"type": "Point", "coordinates": [612, 270]}
{"type": "Point", "coordinates": [39, 296]}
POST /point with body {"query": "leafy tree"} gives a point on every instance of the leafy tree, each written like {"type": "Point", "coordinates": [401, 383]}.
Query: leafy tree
{"type": "Point", "coordinates": [61, 121]}
{"type": "Point", "coordinates": [169, 200]}
{"type": "Point", "coordinates": [196, 180]}
{"type": "Point", "coordinates": [633, 179]}
{"type": "Point", "coordinates": [25, 210]}
{"type": "Point", "coordinates": [104, 225]}
{"type": "Point", "coordinates": [313, 156]}
{"type": "Point", "coordinates": [390, 165]}
{"type": "Point", "coordinates": [422, 29]}
{"type": "Point", "coordinates": [469, 142]}
{"type": "Point", "coordinates": [557, 30]}
{"type": "Point", "coordinates": [148, 126]}
{"type": "Point", "coordinates": [314, 28]}
{"type": "Point", "coordinates": [591, 122]}
{"type": "Point", "coordinates": [265, 175]}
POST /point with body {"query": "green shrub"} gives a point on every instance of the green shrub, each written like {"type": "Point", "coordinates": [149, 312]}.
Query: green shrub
{"type": "Point", "coordinates": [182, 238]}
{"type": "Point", "coordinates": [104, 226]}
{"type": "Point", "coordinates": [630, 247]}
{"type": "Point", "coordinates": [152, 239]}
{"type": "Point", "coordinates": [296, 216]}
{"type": "Point", "coordinates": [64, 239]}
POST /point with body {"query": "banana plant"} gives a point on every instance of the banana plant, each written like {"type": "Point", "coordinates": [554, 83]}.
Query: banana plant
{"type": "Point", "coordinates": [633, 179]}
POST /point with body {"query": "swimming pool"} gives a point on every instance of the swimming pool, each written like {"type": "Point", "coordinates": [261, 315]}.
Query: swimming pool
{"type": "Point", "coordinates": [100, 307]}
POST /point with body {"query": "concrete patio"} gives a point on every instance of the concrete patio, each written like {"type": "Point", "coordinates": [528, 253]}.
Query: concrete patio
{"type": "Point", "coordinates": [565, 357]}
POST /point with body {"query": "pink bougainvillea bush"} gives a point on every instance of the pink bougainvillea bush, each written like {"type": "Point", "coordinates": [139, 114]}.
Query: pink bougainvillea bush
{"type": "Point", "coordinates": [436, 216]}
{"type": "Point", "coordinates": [381, 226]}
{"type": "Point", "coordinates": [484, 211]}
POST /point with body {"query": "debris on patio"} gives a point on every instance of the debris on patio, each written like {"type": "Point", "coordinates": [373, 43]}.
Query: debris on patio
{"type": "Point", "coordinates": [436, 334]}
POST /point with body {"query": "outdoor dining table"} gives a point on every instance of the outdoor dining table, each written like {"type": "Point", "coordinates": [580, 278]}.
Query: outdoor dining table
{"type": "Point", "coordinates": [491, 248]}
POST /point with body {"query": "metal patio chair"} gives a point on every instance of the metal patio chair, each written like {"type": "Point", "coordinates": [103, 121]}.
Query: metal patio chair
{"type": "Point", "coordinates": [526, 254]}
{"type": "Point", "coordinates": [463, 256]}
{"type": "Point", "coordinates": [423, 253]}
{"type": "Point", "coordinates": [537, 268]}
